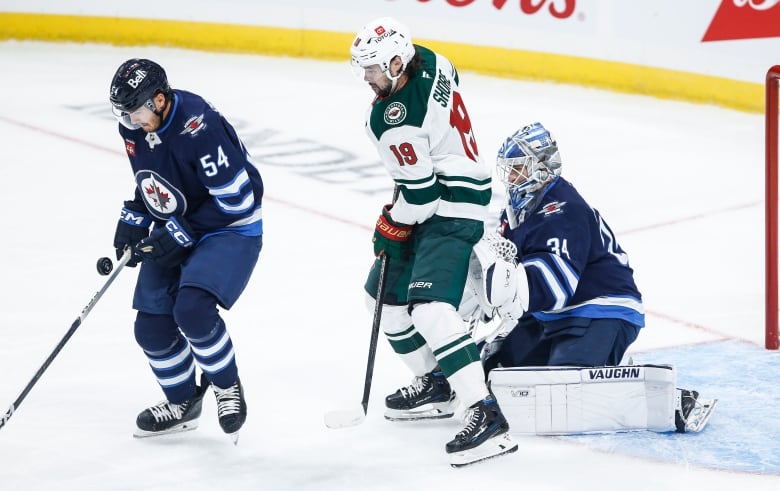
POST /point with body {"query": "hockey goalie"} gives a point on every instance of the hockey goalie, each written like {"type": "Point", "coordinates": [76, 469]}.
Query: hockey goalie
{"type": "Point", "coordinates": [543, 398]}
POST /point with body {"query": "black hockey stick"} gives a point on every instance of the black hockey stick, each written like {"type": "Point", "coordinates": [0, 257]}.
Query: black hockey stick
{"type": "Point", "coordinates": [353, 417]}
{"type": "Point", "coordinates": [15, 405]}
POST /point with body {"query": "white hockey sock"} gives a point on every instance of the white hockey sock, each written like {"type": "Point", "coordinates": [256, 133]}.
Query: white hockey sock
{"type": "Point", "coordinates": [453, 348]}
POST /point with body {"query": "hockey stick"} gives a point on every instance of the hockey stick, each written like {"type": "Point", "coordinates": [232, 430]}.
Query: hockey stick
{"type": "Point", "coordinates": [352, 417]}
{"type": "Point", "coordinates": [15, 405]}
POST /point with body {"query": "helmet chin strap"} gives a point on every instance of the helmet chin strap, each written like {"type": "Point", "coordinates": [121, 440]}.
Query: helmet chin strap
{"type": "Point", "coordinates": [394, 80]}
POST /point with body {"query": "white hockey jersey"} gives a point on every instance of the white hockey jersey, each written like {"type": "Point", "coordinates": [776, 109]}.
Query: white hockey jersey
{"type": "Point", "coordinates": [425, 140]}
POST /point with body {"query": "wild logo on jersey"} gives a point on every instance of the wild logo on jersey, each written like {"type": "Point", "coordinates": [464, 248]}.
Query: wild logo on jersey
{"type": "Point", "coordinates": [395, 113]}
{"type": "Point", "coordinates": [162, 199]}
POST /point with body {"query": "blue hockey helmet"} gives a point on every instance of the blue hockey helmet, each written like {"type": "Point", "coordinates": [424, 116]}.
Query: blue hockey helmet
{"type": "Point", "coordinates": [134, 85]}
{"type": "Point", "coordinates": [526, 162]}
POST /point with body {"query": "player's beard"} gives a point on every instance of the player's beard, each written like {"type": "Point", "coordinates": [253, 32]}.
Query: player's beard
{"type": "Point", "coordinates": [382, 91]}
{"type": "Point", "coordinates": [152, 125]}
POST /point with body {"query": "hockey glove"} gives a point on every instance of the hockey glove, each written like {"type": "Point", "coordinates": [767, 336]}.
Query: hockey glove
{"type": "Point", "coordinates": [133, 225]}
{"type": "Point", "coordinates": [169, 245]}
{"type": "Point", "coordinates": [390, 238]}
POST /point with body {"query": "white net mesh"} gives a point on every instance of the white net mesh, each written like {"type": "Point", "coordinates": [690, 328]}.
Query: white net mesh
{"type": "Point", "coordinates": [502, 247]}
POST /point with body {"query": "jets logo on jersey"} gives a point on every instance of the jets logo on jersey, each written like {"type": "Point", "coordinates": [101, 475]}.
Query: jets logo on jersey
{"type": "Point", "coordinates": [193, 125]}
{"type": "Point", "coordinates": [395, 113]}
{"type": "Point", "coordinates": [130, 147]}
{"type": "Point", "coordinates": [162, 199]}
{"type": "Point", "coordinates": [552, 208]}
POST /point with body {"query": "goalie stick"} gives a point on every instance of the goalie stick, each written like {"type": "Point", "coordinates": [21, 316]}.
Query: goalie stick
{"type": "Point", "coordinates": [345, 418]}
{"type": "Point", "coordinates": [84, 312]}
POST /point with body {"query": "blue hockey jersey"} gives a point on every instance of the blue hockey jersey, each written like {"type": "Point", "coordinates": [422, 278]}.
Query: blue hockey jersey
{"type": "Point", "coordinates": [574, 265]}
{"type": "Point", "coordinates": [195, 166]}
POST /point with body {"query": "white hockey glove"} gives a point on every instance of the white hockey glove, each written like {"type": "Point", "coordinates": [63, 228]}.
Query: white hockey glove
{"type": "Point", "coordinates": [498, 283]}
{"type": "Point", "coordinates": [513, 308]}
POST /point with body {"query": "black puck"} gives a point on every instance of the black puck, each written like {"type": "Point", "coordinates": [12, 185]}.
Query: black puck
{"type": "Point", "coordinates": [105, 266]}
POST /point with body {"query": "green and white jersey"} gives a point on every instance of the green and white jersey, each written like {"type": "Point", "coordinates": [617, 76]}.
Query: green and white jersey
{"type": "Point", "coordinates": [424, 138]}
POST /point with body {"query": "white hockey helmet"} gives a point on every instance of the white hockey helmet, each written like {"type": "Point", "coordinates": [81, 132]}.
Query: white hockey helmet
{"type": "Point", "coordinates": [379, 41]}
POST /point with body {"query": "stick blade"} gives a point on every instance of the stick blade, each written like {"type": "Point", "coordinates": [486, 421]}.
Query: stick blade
{"type": "Point", "coordinates": [345, 418]}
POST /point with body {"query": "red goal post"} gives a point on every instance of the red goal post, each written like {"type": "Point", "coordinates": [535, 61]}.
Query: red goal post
{"type": "Point", "coordinates": [771, 127]}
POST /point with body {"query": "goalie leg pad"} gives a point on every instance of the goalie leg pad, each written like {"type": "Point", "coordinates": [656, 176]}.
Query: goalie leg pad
{"type": "Point", "coordinates": [574, 400]}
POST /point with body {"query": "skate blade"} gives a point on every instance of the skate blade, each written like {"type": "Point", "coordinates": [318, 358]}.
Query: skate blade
{"type": "Point", "coordinates": [700, 415]}
{"type": "Point", "coordinates": [233, 437]}
{"type": "Point", "coordinates": [439, 410]}
{"type": "Point", "coordinates": [495, 447]}
{"type": "Point", "coordinates": [188, 426]}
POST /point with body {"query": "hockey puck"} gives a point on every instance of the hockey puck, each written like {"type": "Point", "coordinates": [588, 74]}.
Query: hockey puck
{"type": "Point", "coordinates": [105, 266]}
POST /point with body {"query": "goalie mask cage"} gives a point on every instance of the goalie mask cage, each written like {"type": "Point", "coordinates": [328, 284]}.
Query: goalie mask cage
{"type": "Point", "coordinates": [771, 127]}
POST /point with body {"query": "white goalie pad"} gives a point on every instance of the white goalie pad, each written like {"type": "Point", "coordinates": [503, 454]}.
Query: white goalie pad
{"type": "Point", "coordinates": [575, 400]}
{"type": "Point", "coordinates": [495, 282]}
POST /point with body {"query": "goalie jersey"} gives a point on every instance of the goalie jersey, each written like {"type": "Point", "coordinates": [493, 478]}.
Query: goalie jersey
{"type": "Point", "coordinates": [574, 265]}
{"type": "Point", "coordinates": [424, 137]}
{"type": "Point", "coordinates": [223, 194]}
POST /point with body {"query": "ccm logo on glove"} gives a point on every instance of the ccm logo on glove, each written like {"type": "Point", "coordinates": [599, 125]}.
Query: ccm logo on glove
{"type": "Point", "coordinates": [178, 234]}
{"type": "Point", "coordinates": [169, 245]}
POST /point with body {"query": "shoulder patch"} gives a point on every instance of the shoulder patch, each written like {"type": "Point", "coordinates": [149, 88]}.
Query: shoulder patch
{"type": "Point", "coordinates": [395, 113]}
{"type": "Point", "coordinates": [193, 125]}
{"type": "Point", "coordinates": [552, 208]}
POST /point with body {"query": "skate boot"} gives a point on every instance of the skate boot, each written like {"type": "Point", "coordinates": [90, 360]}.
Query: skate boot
{"type": "Point", "coordinates": [485, 435]}
{"type": "Point", "coordinates": [428, 397]}
{"type": "Point", "coordinates": [692, 412]}
{"type": "Point", "coordinates": [231, 408]}
{"type": "Point", "coordinates": [166, 417]}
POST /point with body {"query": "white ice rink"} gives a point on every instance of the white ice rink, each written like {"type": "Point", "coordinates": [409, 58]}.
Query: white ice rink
{"type": "Point", "coordinates": [680, 184]}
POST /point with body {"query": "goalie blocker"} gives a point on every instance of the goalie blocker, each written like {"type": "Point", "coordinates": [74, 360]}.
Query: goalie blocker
{"type": "Point", "coordinates": [575, 400]}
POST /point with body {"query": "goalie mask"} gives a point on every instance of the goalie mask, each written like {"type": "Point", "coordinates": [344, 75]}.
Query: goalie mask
{"type": "Point", "coordinates": [526, 162]}
{"type": "Point", "coordinates": [378, 43]}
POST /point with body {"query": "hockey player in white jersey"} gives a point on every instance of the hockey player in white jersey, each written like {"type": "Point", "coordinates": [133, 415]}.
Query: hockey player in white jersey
{"type": "Point", "coordinates": [419, 124]}
{"type": "Point", "coordinates": [566, 296]}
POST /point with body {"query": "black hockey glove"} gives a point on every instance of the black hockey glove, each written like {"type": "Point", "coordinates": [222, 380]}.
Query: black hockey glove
{"type": "Point", "coordinates": [133, 226]}
{"type": "Point", "coordinates": [169, 245]}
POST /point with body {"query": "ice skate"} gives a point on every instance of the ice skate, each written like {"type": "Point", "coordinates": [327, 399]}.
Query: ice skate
{"type": "Point", "coordinates": [428, 397]}
{"type": "Point", "coordinates": [693, 412]}
{"type": "Point", "coordinates": [484, 437]}
{"type": "Point", "coordinates": [166, 418]}
{"type": "Point", "coordinates": [231, 408]}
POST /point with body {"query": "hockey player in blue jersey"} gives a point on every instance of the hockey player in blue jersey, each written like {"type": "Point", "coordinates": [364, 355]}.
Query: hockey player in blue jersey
{"type": "Point", "coordinates": [566, 296]}
{"type": "Point", "coordinates": [195, 225]}
{"type": "Point", "coordinates": [584, 308]}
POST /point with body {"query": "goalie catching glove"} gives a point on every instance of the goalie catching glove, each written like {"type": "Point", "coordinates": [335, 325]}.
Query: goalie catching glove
{"type": "Point", "coordinates": [391, 238]}
{"type": "Point", "coordinates": [495, 285]}
{"type": "Point", "coordinates": [169, 245]}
